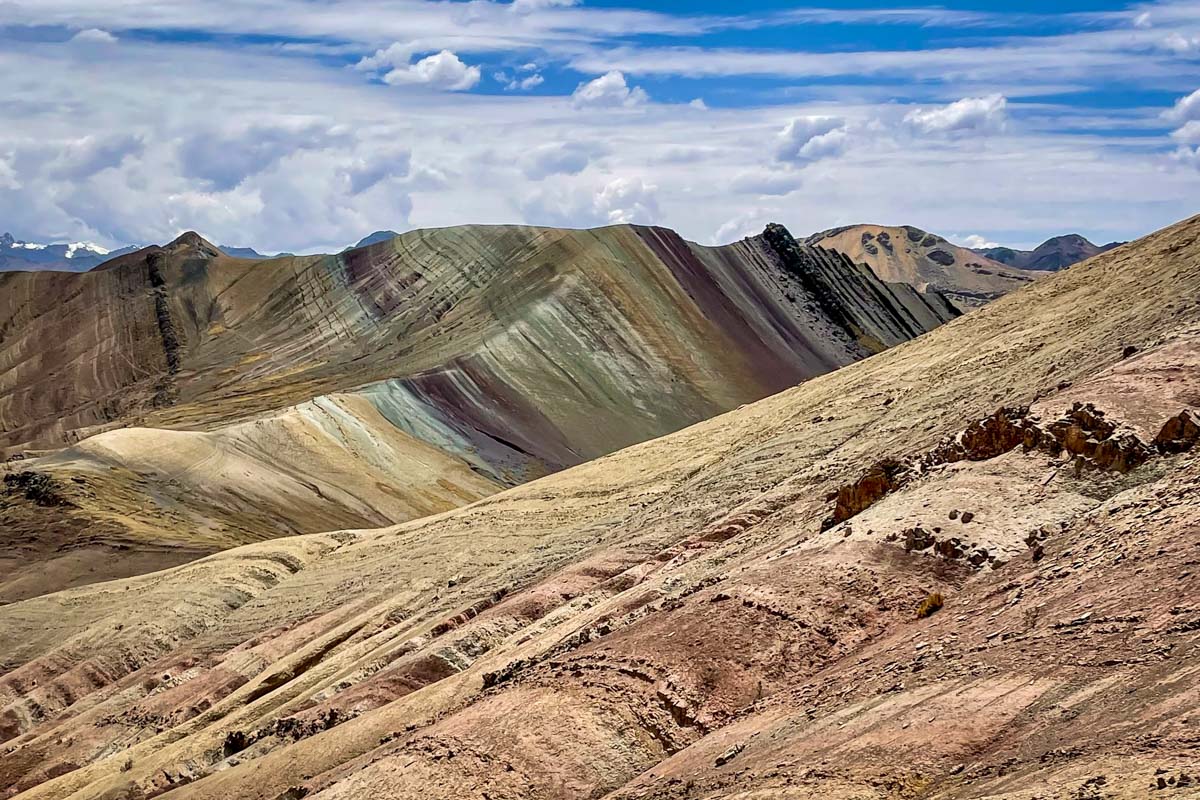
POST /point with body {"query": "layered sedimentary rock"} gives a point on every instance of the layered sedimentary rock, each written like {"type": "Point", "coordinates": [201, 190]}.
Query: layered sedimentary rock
{"type": "Point", "coordinates": [672, 621]}
{"type": "Point", "coordinates": [925, 260]}
{"type": "Point", "coordinates": [213, 401]}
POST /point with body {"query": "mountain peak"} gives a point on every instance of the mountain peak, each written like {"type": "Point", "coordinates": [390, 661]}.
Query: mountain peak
{"type": "Point", "coordinates": [191, 240]}
{"type": "Point", "coordinates": [375, 238]}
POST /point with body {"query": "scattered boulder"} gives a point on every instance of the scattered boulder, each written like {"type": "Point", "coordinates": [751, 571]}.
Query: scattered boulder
{"type": "Point", "coordinates": [880, 480]}
{"type": "Point", "coordinates": [1179, 434]}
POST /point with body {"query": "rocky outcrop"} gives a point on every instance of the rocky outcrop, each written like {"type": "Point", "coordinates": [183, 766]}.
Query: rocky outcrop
{"type": "Point", "coordinates": [1084, 435]}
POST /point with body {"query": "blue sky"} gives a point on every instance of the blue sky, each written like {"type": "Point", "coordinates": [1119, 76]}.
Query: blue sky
{"type": "Point", "coordinates": [304, 124]}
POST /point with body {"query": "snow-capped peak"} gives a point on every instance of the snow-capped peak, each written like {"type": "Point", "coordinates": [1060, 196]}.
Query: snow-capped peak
{"type": "Point", "coordinates": [87, 247]}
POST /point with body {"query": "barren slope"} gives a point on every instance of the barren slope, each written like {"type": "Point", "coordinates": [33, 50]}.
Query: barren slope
{"type": "Point", "coordinates": [386, 383]}
{"type": "Point", "coordinates": [923, 259]}
{"type": "Point", "coordinates": [689, 617]}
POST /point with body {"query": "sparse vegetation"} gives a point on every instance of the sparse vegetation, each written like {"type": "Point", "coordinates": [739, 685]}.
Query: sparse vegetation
{"type": "Point", "coordinates": [932, 603]}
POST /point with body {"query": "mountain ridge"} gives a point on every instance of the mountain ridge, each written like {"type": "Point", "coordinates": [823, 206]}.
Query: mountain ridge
{"type": "Point", "coordinates": [675, 620]}
{"type": "Point", "coordinates": [209, 401]}
{"type": "Point", "coordinates": [1057, 252]}
{"type": "Point", "coordinates": [909, 254]}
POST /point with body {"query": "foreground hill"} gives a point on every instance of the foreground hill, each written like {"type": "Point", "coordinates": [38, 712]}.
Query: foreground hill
{"type": "Point", "coordinates": [210, 401]}
{"type": "Point", "coordinates": [912, 256]}
{"type": "Point", "coordinates": [746, 608]}
{"type": "Point", "coordinates": [1054, 254]}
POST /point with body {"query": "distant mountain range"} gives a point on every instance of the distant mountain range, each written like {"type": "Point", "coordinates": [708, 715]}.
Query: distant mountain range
{"type": "Point", "coordinates": [71, 257]}
{"type": "Point", "coordinates": [1057, 253]}
{"type": "Point", "coordinates": [1052, 255]}
{"type": "Point", "coordinates": [17, 255]}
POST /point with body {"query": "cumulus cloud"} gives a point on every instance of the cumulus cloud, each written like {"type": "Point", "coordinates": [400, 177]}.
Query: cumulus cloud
{"type": "Point", "coordinates": [397, 54]}
{"type": "Point", "coordinates": [621, 200]}
{"type": "Point", "coordinates": [444, 71]}
{"type": "Point", "coordinates": [526, 78]}
{"type": "Point", "coordinates": [971, 115]}
{"type": "Point", "coordinates": [567, 158]}
{"type": "Point", "coordinates": [609, 91]}
{"type": "Point", "coordinates": [1182, 45]}
{"type": "Point", "coordinates": [806, 139]}
{"type": "Point", "coordinates": [91, 154]}
{"type": "Point", "coordinates": [977, 242]}
{"type": "Point", "coordinates": [1189, 133]}
{"type": "Point", "coordinates": [224, 159]}
{"type": "Point", "coordinates": [1185, 109]}
{"type": "Point", "coordinates": [1188, 156]}
{"type": "Point", "coordinates": [748, 223]}
{"type": "Point", "coordinates": [367, 171]}
{"type": "Point", "coordinates": [94, 36]}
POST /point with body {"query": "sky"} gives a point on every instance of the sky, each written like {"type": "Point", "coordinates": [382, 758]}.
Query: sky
{"type": "Point", "coordinates": [303, 125]}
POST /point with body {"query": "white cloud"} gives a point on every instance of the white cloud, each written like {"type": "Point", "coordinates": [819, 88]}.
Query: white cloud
{"type": "Point", "coordinates": [1189, 156]}
{"type": "Point", "coordinates": [91, 154]}
{"type": "Point", "coordinates": [621, 200]}
{"type": "Point", "coordinates": [806, 139]}
{"type": "Point", "coordinates": [526, 6]}
{"type": "Point", "coordinates": [8, 175]}
{"type": "Point", "coordinates": [567, 158]}
{"type": "Point", "coordinates": [609, 91]}
{"type": "Point", "coordinates": [1185, 109]}
{"type": "Point", "coordinates": [977, 242]}
{"type": "Point", "coordinates": [94, 36]}
{"type": "Point", "coordinates": [1142, 20]}
{"type": "Point", "coordinates": [368, 170]}
{"type": "Point", "coordinates": [397, 54]}
{"type": "Point", "coordinates": [518, 83]}
{"type": "Point", "coordinates": [225, 158]}
{"type": "Point", "coordinates": [1182, 45]}
{"type": "Point", "coordinates": [629, 200]}
{"type": "Point", "coordinates": [444, 71]}
{"type": "Point", "coordinates": [699, 104]}
{"type": "Point", "coordinates": [969, 115]}
{"type": "Point", "coordinates": [747, 223]}
{"type": "Point", "coordinates": [1189, 133]}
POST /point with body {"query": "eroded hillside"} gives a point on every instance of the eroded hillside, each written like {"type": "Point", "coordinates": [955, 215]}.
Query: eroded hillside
{"type": "Point", "coordinates": [910, 255]}
{"type": "Point", "coordinates": [210, 401]}
{"type": "Point", "coordinates": [692, 617]}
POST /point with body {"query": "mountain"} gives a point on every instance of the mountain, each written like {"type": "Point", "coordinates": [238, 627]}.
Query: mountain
{"type": "Point", "coordinates": [960, 568]}
{"type": "Point", "coordinates": [242, 252]}
{"type": "Point", "coordinates": [375, 238]}
{"type": "Point", "coordinates": [72, 257]}
{"type": "Point", "coordinates": [207, 401]}
{"type": "Point", "coordinates": [911, 255]}
{"type": "Point", "coordinates": [1054, 254]}
{"type": "Point", "coordinates": [76, 257]}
